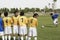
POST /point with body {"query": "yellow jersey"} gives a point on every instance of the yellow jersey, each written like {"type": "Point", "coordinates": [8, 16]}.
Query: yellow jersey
{"type": "Point", "coordinates": [7, 21]}
{"type": "Point", "coordinates": [15, 20]}
{"type": "Point", "coordinates": [33, 22]}
{"type": "Point", "coordinates": [23, 20]}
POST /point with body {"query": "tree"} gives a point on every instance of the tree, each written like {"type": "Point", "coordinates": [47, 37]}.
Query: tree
{"type": "Point", "coordinates": [26, 10]}
{"type": "Point", "coordinates": [54, 1]}
{"type": "Point", "coordinates": [32, 10]}
{"type": "Point", "coordinates": [49, 5]}
{"type": "Point", "coordinates": [46, 9]}
{"type": "Point", "coordinates": [37, 10]}
{"type": "Point", "coordinates": [58, 10]}
{"type": "Point", "coordinates": [4, 9]}
{"type": "Point", "coordinates": [16, 9]}
{"type": "Point", "coordinates": [12, 10]}
{"type": "Point", "coordinates": [20, 9]}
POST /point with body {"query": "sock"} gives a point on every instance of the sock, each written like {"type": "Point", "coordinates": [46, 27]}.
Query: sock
{"type": "Point", "coordinates": [14, 37]}
{"type": "Point", "coordinates": [5, 37]}
{"type": "Point", "coordinates": [9, 37]}
{"type": "Point", "coordinates": [26, 37]}
{"type": "Point", "coordinates": [29, 38]}
{"type": "Point", "coordinates": [2, 37]}
{"type": "Point", "coordinates": [21, 37]}
{"type": "Point", "coordinates": [35, 38]}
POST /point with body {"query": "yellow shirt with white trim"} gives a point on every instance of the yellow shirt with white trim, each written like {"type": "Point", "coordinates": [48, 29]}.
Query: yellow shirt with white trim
{"type": "Point", "coordinates": [15, 20]}
{"type": "Point", "coordinates": [23, 20]}
{"type": "Point", "coordinates": [7, 21]}
{"type": "Point", "coordinates": [33, 22]}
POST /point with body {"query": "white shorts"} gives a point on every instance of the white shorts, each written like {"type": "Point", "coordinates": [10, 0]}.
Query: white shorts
{"type": "Point", "coordinates": [55, 21]}
{"type": "Point", "coordinates": [23, 30]}
{"type": "Point", "coordinates": [32, 31]}
{"type": "Point", "coordinates": [1, 33]}
{"type": "Point", "coordinates": [8, 30]}
{"type": "Point", "coordinates": [15, 29]}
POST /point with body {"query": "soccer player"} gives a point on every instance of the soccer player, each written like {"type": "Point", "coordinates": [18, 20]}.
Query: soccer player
{"type": "Point", "coordinates": [23, 25]}
{"type": "Point", "coordinates": [33, 23]}
{"type": "Point", "coordinates": [55, 18]}
{"type": "Point", "coordinates": [7, 26]}
{"type": "Point", "coordinates": [15, 24]}
{"type": "Point", "coordinates": [1, 28]}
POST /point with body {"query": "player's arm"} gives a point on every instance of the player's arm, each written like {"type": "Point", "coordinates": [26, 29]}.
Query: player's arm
{"type": "Point", "coordinates": [26, 21]}
{"type": "Point", "coordinates": [18, 22]}
{"type": "Point", "coordinates": [11, 22]}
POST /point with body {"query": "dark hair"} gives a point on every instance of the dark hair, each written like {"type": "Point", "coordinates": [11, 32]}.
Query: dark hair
{"type": "Point", "coordinates": [51, 14]}
{"type": "Point", "coordinates": [5, 13]}
{"type": "Point", "coordinates": [35, 14]}
{"type": "Point", "coordinates": [15, 11]}
{"type": "Point", "coordinates": [22, 13]}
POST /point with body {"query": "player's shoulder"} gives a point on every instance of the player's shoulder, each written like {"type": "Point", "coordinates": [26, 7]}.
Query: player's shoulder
{"type": "Point", "coordinates": [23, 17]}
{"type": "Point", "coordinates": [4, 17]}
{"type": "Point", "coordinates": [8, 17]}
{"type": "Point", "coordinates": [30, 17]}
{"type": "Point", "coordinates": [35, 19]}
{"type": "Point", "coordinates": [13, 16]}
{"type": "Point", "coordinates": [18, 15]}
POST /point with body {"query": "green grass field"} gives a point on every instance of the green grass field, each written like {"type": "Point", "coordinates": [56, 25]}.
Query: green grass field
{"type": "Point", "coordinates": [50, 32]}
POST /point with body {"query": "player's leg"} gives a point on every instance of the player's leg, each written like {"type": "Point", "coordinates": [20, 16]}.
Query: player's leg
{"type": "Point", "coordinates": [56, 22]}
{"type": "Point", "coordinates": [21, 32]}
{"type": "Point", "coordinates": [9, 33]}
{"type": "Point", "coordinates": [6, 36]}
{"type": "Point", "coordinates": [15, 32]}
{"type": "Point", "coordinates": [2, 35]}
{"type": "Point", "coordinates": [25, 32]}
{"type": "Point", "coordinates": [30, 34]}
{"type": "Point", "coordinates": [35, 33]}
{"type": "Point", "coordinates": [6, 32]}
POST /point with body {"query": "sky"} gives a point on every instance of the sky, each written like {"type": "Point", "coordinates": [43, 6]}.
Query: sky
{"type": "Point", "coordinates": [27, 3]}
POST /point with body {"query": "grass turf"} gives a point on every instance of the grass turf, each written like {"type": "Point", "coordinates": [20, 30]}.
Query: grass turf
{"type": "Point", "coordinates": [49, 32]}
